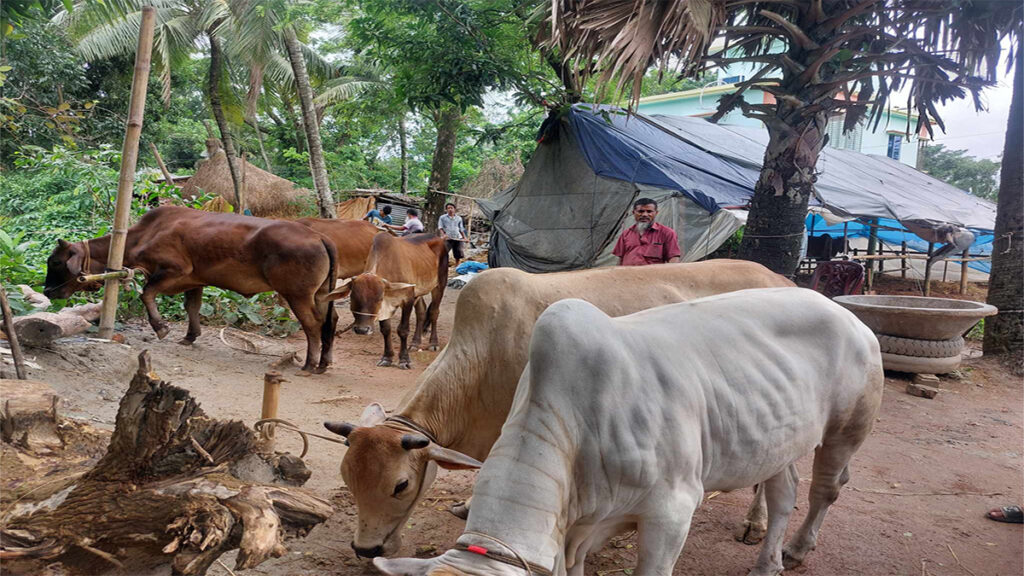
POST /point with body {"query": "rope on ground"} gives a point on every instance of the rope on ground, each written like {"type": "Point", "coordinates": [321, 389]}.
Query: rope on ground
{"type": "Point", "coordinates": [890, 493]}
{"type": "Point", "coordinates": [254, 349]}
{"type": "Point", "coordinates": [286, 425]}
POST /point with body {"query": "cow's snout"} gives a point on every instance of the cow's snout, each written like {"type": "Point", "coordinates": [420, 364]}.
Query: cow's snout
{"type": "Point", "coordinates": [363, 330]}
{"type": "Point", "coordinates": [368, 552]}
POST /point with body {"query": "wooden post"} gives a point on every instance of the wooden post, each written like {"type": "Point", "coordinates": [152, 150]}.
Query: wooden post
{"type": "Point", "coordinates": [872, 248]}
{"type": "Point", "coordinates": [160, 162]}
{"type": "Point", "coordinates": [963, 271]}
{"type": "Point", "coordinates": [129, 158]}
{"type": "Point", "coordinates": [19, 360]}
{"type": "Point", "coordinates": [903, 260]}
{"type": "Point", "coordinates": [271, 395]}
{"type": "Point", "coordinates": [945, 269]}
{"type": "Point", "coordinates": [928, 270]}
{"type": "Point", "coordinates": [846, 245]}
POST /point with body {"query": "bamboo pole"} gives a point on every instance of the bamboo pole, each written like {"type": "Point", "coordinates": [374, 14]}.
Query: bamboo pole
{"type": "Point", "coordinates": [160, 162]}
{"type": "Point", "coordinates": [271, 397]}
{"type": "Point", "coordinates": [129, 158]}
{"type": "Point", "coordinates": [12, 338]}
{"type": "Point", "coordinates": [963, 271]}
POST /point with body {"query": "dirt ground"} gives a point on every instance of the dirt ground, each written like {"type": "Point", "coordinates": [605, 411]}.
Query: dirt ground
{"type": "Point", "coordinates": [915, 504]}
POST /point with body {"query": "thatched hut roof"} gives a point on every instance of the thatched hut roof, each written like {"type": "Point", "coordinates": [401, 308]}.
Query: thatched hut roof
{"type": "Point", "coordinates": [265, 194]}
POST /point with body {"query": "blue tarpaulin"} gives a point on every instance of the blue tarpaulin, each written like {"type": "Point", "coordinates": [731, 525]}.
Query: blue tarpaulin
{"type": "Point", "coordinates": [817, 226]}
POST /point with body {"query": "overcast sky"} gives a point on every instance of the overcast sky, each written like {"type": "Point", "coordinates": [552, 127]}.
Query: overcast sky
{"type": "Point", "coordinates": [980, 133]}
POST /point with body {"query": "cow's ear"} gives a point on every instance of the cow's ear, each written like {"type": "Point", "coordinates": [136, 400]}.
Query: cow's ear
{"type": "Point", "coordinates": [341, 290]}
{"type": "Point", "coordinates": [405, 566]}
{"type": "Point", "coordinates": [450, 459]}
{"type": "Point", "coordinates": [395, 293]}
{"type": "Point", "coordinates": [372, 415]}
{"type": "Point", "coordinates": [340, 428]}
{"type": "Point", "coordinates": [75, 261]}
{"type": "Point", "coordinates": [63, 244]}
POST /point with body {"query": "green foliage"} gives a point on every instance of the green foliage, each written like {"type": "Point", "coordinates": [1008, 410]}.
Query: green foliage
{"type": "Point", "coordinates": [977, 332]}
{"type": "Point", "coordinates": [955, 167]}
{"type": "Point", "coordinates": [15, 267]}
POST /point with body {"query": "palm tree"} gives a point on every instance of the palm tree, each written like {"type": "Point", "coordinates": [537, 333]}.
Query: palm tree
{"type": "Point", "coordinates": [816, 57]}
{"type": "Point", "coordinates": [363, 79]}
{"type": "Point", "coordinates": [1005, 331]}
{"type": "Point", "coordinates": [102, 30]}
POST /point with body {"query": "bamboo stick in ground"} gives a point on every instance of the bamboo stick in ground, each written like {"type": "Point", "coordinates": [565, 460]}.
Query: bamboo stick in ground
{"type": "Point", "coordinates": [129, 159]}
{"type": "Point", "coordinates": [19, 360]}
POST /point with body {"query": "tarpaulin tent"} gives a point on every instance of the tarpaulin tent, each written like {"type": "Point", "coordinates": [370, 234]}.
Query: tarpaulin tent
{"type": "Point", "coordinates": [577, 191]}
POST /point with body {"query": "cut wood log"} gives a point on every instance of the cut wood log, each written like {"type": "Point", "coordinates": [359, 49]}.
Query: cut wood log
{"type": "Point", "coordinates": [29, 415]}
{"type": "Point", "coordinates": [42, 328]}
{"type": "Point", "coordinates": [91, 312]}
{"type": "Point", "coordinates": [170, 490]}
{"type": "Point", "coordinates": [37, 300]}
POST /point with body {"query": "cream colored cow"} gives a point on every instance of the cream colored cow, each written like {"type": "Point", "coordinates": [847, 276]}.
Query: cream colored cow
{"type": "Point", "coordinates": [455, 413]}
{"type": "Point", "coordinates": [624, 423]}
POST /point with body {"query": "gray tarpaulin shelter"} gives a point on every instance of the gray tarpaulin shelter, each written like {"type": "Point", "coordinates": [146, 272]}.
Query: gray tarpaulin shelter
{"type": "Point", "coordinates": [576, 194]}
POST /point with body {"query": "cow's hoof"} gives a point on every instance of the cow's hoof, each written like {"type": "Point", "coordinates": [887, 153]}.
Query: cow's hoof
{"type": "Point", "coordinates": [750, 532]}
{"type": "Point", "coordinates": [186, 341]}
{"type": "Point", "coordinates": [433, 348]}
{"type": "Point", "coordinates": [460, 510]}
{"type": "Point", "coordinates": [772, 571]}
{"type": "Point", "coordinates": [791, 558]}
{"type": "Point", "coordinates": [404, 364]}
{"type": "Point", "coordinates": [162, 331]}
{"type": "Point", "coordinates": [415, 347]}
{"type": "Point", "coordinates": [384, 362]}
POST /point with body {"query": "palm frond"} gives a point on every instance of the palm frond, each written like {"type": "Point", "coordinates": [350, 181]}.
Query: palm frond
{"type": "Point", "coordinates": [346, 88]}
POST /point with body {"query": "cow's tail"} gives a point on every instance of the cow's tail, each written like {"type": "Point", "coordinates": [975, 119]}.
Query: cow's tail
{"type": "Point", "coordinates": [330, 319]}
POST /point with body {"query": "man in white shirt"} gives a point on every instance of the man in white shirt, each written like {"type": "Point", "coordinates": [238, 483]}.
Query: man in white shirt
{"type": "Point", "coordinates": [451, 225]}
{"type": "Point", "coordinates": [412, 225]}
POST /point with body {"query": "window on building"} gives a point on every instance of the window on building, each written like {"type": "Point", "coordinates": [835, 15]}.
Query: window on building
{"type": "Point", "coordinates": [895, 142]}
{"type": "Point", "coordinates": [848, 141]}
{"type": "Point", "coordinates": [733, 79]}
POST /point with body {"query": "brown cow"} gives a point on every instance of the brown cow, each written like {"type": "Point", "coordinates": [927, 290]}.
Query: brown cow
{"type": "Point", "coordinates": [352, 238]}
{"type": "Point", "coordinates": [399, 273]}
{"type": "Point", "coordinates": [182, 250]}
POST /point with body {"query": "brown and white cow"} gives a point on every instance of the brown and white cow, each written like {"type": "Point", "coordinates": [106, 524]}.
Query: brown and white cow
{"type": "Point", "coordinates": [182, 250]}
{"type": "Point", "coordinates": [399, 273]}
{"type": "Point", "coordinates": [461, 400]}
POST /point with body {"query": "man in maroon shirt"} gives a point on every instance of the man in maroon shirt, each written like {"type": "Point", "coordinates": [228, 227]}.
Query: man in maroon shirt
{"type": "Point", "coordinates": [646, 242]}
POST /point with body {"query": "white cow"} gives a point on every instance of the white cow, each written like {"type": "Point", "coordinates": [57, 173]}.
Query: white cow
{"type": "Point", "coordinates": [623, 423]}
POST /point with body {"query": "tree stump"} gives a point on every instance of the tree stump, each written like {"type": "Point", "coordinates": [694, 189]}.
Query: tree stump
{"type": "Point", "coordinates": [174, 487]}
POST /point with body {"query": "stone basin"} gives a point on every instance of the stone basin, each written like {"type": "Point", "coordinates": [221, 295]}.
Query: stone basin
{"type": "Point", "coordinates": [916, 316]}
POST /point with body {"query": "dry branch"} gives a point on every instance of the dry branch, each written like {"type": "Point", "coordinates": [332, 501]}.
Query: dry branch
{"type": "Point", "coordinates": [175, 487]}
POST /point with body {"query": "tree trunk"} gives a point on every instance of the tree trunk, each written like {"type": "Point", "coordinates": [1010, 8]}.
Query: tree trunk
{"type": "Point", "coordinates": [259, 138]}
{"type": "Point", "coordinates": [216, 67]}
{"type": "Point", "coordinates": [175, 487]}
{"type": "Point", "coordinates": [447, 121]}
{"type": "Point", "coordinates": [1004, 332]}
{"type": "Point", "coordinates": [312, 126]}
{"type": "Point", "coordinates": [296, 123]}
{"type": "Point", "coordinates": [403, 139]}
{"type": "Point", "coordinates": [778, 209]}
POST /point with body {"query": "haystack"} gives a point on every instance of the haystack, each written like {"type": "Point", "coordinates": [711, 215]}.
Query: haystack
{"type": "Point", "coordinates": [265, 194]}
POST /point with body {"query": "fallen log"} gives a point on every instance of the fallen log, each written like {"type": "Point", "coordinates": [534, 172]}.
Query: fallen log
{"type": "Point", "coordinates": [42, 328]}
{"type": "Point", "coordinates": [174, 487]}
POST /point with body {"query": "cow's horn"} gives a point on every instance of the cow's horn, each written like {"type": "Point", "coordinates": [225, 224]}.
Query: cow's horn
{"type": "Point", "coordinates": [340, 428]}
{"type": "Point", "coordinates": [414, 441]}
